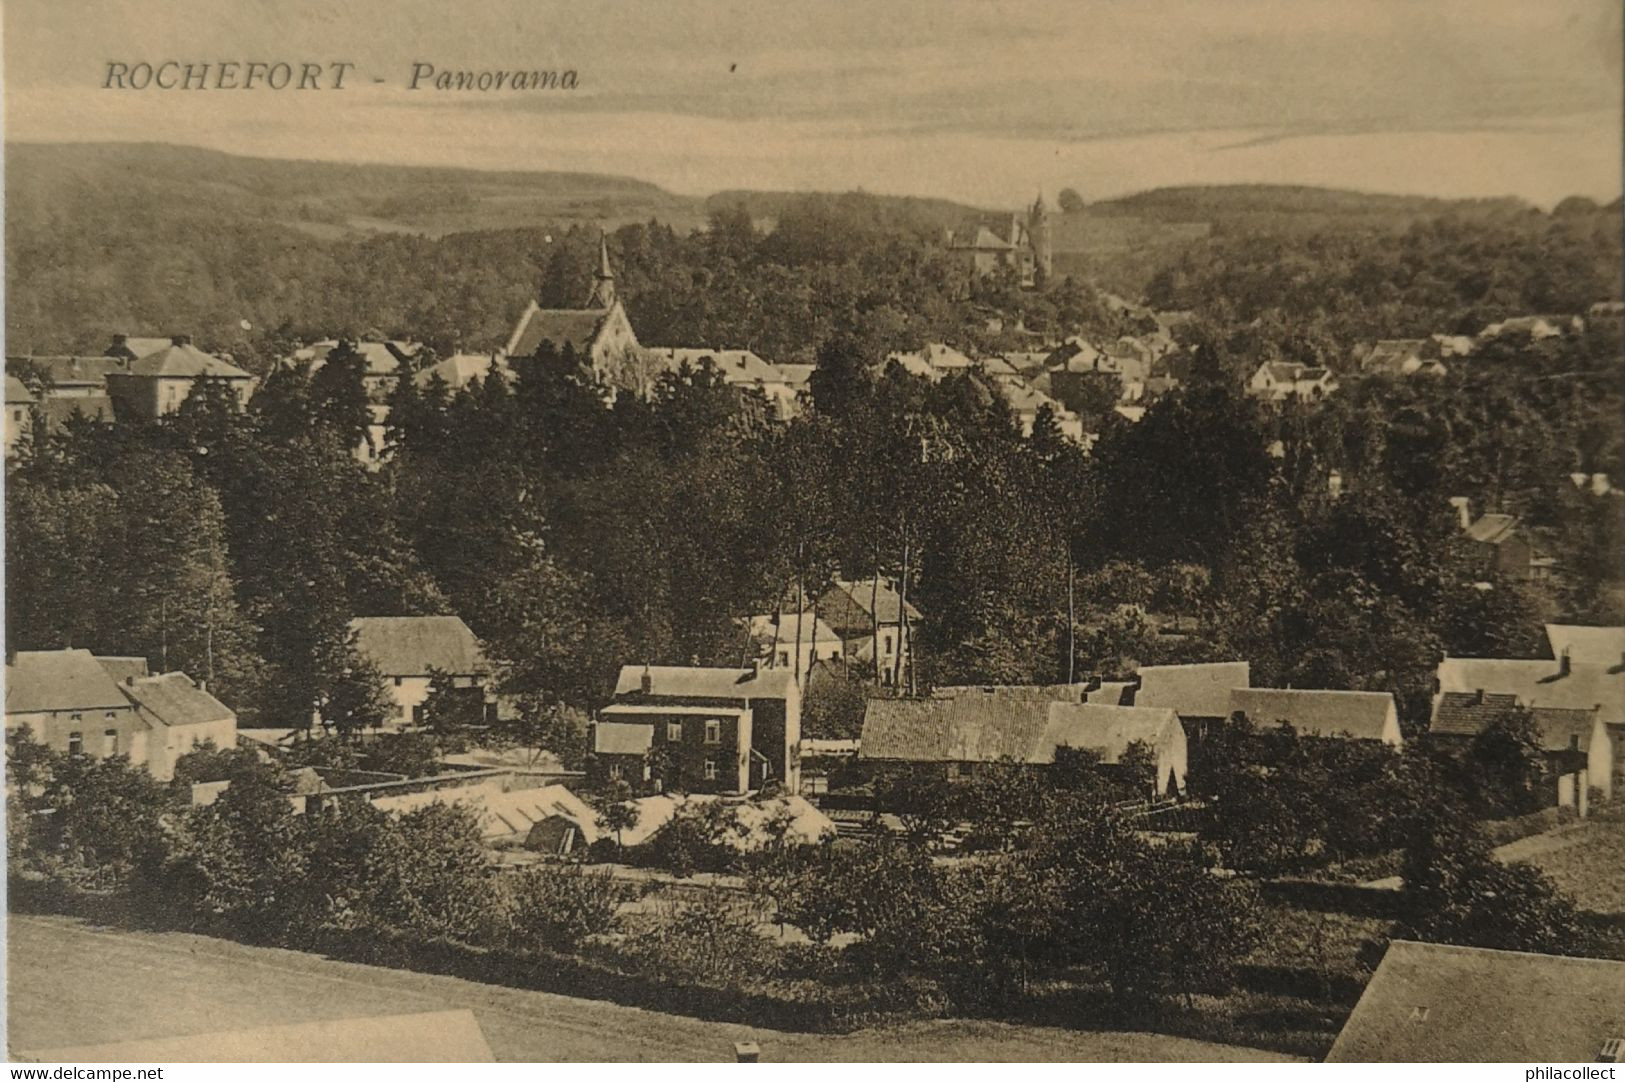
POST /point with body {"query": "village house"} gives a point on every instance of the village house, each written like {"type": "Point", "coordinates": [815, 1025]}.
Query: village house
{"type": "Point", "coordinates": [20, 403]}
{"type": "Point", "coordinates": [155, 384]}
{"type": "Point", "coordinates": [1538, 328]}
{"type": "Point", "coordinates": [1433, 1003]}
{"type": "Point", "coordinates": [410, 650]}
{"type": "Point", "coordinates": [599, 334]}
{"type": "Point", "coordinates": [739, 368]}
{"type": "Point", "coordinates": [1198, 693]}
{"type": "Point", "coordinates": [1277, 381]}
{"type": "Point", "coordinates": [875, 624]}
{"type": "Point", "coordinates": [1025, 249]}
{"type": "Point", "coordinates": [1560, 684]}
{"type": "Point", "coordinates": [385, 361]}
{"type": "Point", "coordinates": [1502, 543]}
{"type": "Point", "coordinates": [778, 636]}
{"type": "Point", "coordinates": [71, 387]}
{"type": "Point", "coordinates": [1403, 357]}
{"type": "Point", "coordinates": [1575, 741]}
{"type": "Point", "coordinates": [933, 361]}
{"type": "Point", "coordinates": [957, 735]}
{"type": "Point", "coordinates": [1355, 715]}
{"type": "Point", "coordinates": [80, 704]}
{"type": "Point", "coordinates": [706, 730]}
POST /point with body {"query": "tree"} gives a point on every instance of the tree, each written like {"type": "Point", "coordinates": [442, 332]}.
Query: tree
{"type": "Point", "coordinates": [1070, 201]}
{"type": "Point", "coordinates": [619, 813]}
{"type": "Point", "coordinates": [1506, 765]}
{"type": "Point", "coordinates": [561, 907]}
{"type": "Point", "coordinates": [450, 713]}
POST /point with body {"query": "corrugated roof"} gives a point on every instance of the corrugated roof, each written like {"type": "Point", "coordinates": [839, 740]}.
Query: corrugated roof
{"type": "Point", "coordinates": [1443, 1004]}
{"type": "Point", "coordinates": [1592, 645]}
{"type": "Point", "coordinates": [1360, 714]}
{"type": "Point", "coordinates": [65, 680]}
{"type": "Point", "coordinates": [622, 738]}
{"type": "Point", "coordinates": [984, 728]}
{"type": "Point", "coordinates": [1201, 690]}
{"type": "Point", "coordinates": [1540, 683]}
{"type": "Point", "coordinates": [413, 645]}
{"type": "Point", "coordinates": [172, 699]}
{"type": "Point", "coordinates": [577, 326]}
{"type": "Point", "coordinates": [695, 682]}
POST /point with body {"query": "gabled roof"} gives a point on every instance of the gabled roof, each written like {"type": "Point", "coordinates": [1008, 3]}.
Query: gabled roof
{"type": "Point", "coordinates": [577, 326]}
{"type": "Point", "coordinates": [78, 371]}
{"type": "Point", "coordinates": [734, 365]}
{"type": "Point", "coordinates": [1493, 529]}
{"type": "Point", "coordinates": [1201, 691]}
{"type": "Point", "coordinates": [1561, 729]}
{"type": "Point", "coordinates": [65, 680]}
{"type": "Point", "coordinates": [888, 603]}
{"type": "Point", "coordinates": [1360, 714]}
{"type": "Point", "coordinates": [172, 699]}
{"type": "Point", "coordinates": [413, 645]}
{"type": "Point", "coordinates": [986, 728]}
{"type": "Point", "coordinates": [122, 668]}
{"type": "Point", "coordinates": [461, 369]}
{"type": "Point", "coordinates": [694, 682]}
{"type": "Point", "coordinates": [1468, 713]}
{"type": "Point", "coordinates": [1540, 683]}
{"type": "Point", "coordinates": [182, 360]}
{"type": "Point", "coordinates": [983, 239]}
{"type": "Point", "coordinates": [17, 393]}
{"type": "Point", "coordinates": [1433, 1003]}
{"type": "Point", "coordinates": [1593, 645]}
{"type": "Point", "coordinates": [1390, 355]}
{"type": "Point", "coordinates": [782, 628]}
{"type": "Point", "coordinates": [382, 358]}
{"type": "Point", "coordinates": [622, 737]}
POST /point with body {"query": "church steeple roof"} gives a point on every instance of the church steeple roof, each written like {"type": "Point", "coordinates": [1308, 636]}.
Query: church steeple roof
{"type": "Point", "coordinates": [603, 285]}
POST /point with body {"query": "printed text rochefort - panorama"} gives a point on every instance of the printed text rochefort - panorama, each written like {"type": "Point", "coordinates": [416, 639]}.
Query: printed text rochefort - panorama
{"type": "Point", "coordinates": [318, 75]}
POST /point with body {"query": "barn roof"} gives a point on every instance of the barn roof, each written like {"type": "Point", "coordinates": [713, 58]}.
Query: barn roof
{"type": "Point", "coordinates": [1433, 1003]}
{"type": "Point", "coordinates": [985, 728]}
{"type": "Point", "coordinates": [413, 645]}
{"type": "Point", "coordinates": [1360, 714]}
{"type": "Point", "coordinates": [1193, 690]}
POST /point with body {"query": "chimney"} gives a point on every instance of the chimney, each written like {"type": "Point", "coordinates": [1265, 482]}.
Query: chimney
{"type": "Point", "coordinates": [181, 339]}
{"type": "Point", "coordinates": [648, 681]}
{"type": "Point", "coordinates": [129, 681]}
{"type": "Point", "coordinates": [1478, 697]}
{"type": "Point", "coordinates": [1563, 663]}
{"type": "Point", "coordinates": [1464, 514]}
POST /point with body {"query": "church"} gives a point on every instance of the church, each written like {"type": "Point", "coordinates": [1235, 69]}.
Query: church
{"type": "Point", "coordinates": [1025, 247]}
{"type": "Point", "coordinates": [599, 333]}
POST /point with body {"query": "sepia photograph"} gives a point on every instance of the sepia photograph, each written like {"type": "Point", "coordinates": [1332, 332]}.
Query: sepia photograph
{"type": "Point", "coordinates": [915, 531]}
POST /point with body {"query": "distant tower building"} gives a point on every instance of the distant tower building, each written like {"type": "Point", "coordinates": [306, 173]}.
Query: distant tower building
{"type": "Point", "coordinates": [1038, 236]}
{"type": "Point", "coordinates": [603, 280]}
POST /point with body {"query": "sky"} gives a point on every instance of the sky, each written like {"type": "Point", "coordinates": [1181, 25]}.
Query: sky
{"type": "Point", "coordinates": [983, 101]}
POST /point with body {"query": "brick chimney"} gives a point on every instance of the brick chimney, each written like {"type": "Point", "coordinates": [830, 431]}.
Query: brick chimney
{"type": "Point", "coordinates": [647, 684]}
{"type": "Point", "coordinates": [181, 339]}
{"type": "Point", "coordinates": [1563, 663]}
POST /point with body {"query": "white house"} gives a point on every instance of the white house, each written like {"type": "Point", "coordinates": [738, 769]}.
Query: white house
{"type": "Point", "coordinates": [409, 650]}
{"type": "Point", "coordinates": [778, 636]}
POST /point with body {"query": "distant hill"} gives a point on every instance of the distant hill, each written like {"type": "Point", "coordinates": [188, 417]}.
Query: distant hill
{"type": "Point", "coordinates": [323, 199]}
{"type": "Point", "coordinates": [765, 207]}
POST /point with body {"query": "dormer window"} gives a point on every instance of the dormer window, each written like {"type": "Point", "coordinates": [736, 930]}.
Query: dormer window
{"type": "Point", "coordinates": [1613, 1051]}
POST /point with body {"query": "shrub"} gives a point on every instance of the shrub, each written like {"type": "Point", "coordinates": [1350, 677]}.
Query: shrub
{"type": "Point", "coordinates": [560, 906]}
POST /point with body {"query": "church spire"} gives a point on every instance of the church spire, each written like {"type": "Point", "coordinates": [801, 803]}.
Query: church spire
{"type": "Point", "coordinates": [603, 281]}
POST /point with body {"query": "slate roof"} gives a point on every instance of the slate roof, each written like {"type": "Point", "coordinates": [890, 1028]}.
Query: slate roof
{"type": "Point", "coordinates": [985, 728]}
{"type": "Point", "coordinates": [694, 682]}
{"type": "Point", "coordinates": [1360, 714]}
{"type": "Point", "coordinates": [622, 738]}
{"type": "Point", "coordinates": [1592, 645]}
{"type": "Point", "coordinates": [1432, 1003]}
{"type": "Point", "coordinates": [1466, 713]}
{"type": "Point", "coordinates": [17, 393]}
{"type": "Point", "coordinates": [1201, 691]}
{"type": "Point", "coordinates": [412, 645]}
{"type": "Point", "coordinates": [64, 680]}
{"type": "Point", "coordinates": [172, 699]}
{"type": "Point", "coordinates": [1540, 683]}
{"type": "Point", "coordinates": [121, 668]}
{"type": "Point", "coordinates": [734, 365]}
{"type": "Point", "coordinates": [184, 360]}
{"type": "Point", "coordinates": [78, 371]}
{"type": "Point", "coordinates": [577, 326]}
{"type": "Point", "coordinates": [1559, 727]}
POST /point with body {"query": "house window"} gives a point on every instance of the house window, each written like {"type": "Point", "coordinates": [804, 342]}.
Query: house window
{"type": "Point", "coordinates": [710, 770]}
{"type": "Point", "coordinates": [713, 732]}
{"type": "Point", "coordinates": [110, 742]}
{"type": "Point", "coordinates": [397, 681]}
{"type": "Point", "coordinates": [76, 717]}
{"type": "Point", "coordinates": [76, 743]}
{"type": "Point", "coordinates": [886, 643]}
{"type": "Point", "coordinates": [674, 732]}
{"type": "Point", "coordinates": [784, 659]}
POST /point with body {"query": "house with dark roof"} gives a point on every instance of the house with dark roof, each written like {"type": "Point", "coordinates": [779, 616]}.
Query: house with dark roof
{"type": "Point", "coordinates": [1550, 686]}
{"type": "Point", "coordinates": [1503, 543]}
{"type": "Point", "coordinates": [1354, 715]}
{"type": "Point", "coordinates": [700, 730]}
{"type": "Point", "coordinates": [410, 650]}
{"type": "Point", "coordinates": [156, 384]}
{"type": "Point", "coordinates": [977, 727]}
{"type": "Point", "coordinates": [80, 704]}
{"type": "Point", "coordinates": [71, 387]}
{"type": "Point", "coordinates": [598, 335]}
{"type": "Point", "coordinates": [875, 623]}
{"type": "Point", "coordinates": [1432, 1003]}
{"type": "Point", "coordinates": [1575, 741]}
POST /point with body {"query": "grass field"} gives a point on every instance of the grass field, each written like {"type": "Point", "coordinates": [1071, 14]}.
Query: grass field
{"type": "Point", "coordinates": [73, 983]}
{"type": "Point", "coordinates": [1586, 860]}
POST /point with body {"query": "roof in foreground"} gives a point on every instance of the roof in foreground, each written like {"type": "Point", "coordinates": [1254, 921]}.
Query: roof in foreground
{"type": "Point", "coordinates": [42, 680]}
{"type": "Point", "coordinates": [696, 682]}
{"type": "Point", "coordinates": [1314, 712]}
{"type": "Point", "coordinates": [430, 1037]}
{"type": "Point", "coordinates": [1193, 690]}
{"type": "Point", "coordinates": [1433, 1003]}
{"type": "Point", "coordinates": [413, 645]}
